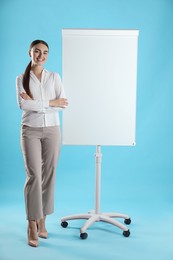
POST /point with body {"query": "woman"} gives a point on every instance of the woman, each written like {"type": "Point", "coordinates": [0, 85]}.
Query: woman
{"type": "Point", "coordinates": [40, 95]}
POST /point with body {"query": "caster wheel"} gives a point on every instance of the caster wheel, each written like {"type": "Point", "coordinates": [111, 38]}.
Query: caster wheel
{"type": "Point", "coordinates": [64, 224]}
{"type": "Point", "coordinates": [126, 233]}
{"type": "Point", "coordinates": [127, 221]}
{"type": "Point", "coordinates": [83, 235]}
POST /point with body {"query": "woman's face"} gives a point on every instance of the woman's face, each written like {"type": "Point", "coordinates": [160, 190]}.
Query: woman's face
{"type": "Point", "coordinates": [39, 54]}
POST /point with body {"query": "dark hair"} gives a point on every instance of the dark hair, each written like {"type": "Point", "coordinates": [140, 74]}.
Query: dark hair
{"type": "Point", "coordinates": [26, 75]}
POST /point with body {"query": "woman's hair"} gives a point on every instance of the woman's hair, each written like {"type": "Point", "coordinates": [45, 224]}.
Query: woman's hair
{"type": "Point", "coordinates": [26, 75]}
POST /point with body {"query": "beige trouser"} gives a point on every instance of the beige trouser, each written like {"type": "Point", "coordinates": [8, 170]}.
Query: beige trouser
{"type": "Point", "coordinates": [40, 148]}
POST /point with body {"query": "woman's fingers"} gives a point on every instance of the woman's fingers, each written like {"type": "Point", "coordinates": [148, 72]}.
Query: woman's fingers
{"type": "Point", "coordinates": [63, 102]}
{"type": "Point", "coordinates": [25, 96]}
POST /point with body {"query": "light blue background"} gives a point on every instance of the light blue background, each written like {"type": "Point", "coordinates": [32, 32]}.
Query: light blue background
{"type": "Point", "coordinates": [135, 180]}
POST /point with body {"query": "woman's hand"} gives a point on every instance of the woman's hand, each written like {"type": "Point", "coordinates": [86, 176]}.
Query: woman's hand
{"type": "Point", "coordinates": [25, 96]}
{"type": "Point", "coordinates": [59, 102]}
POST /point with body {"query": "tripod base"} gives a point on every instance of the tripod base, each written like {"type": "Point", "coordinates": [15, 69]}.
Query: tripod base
{"type": "Point", "coordinates": [95, 217]}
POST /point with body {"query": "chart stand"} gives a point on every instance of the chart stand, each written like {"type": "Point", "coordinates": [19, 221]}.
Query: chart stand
{"type": "Point", "coordinates": [96, 215]}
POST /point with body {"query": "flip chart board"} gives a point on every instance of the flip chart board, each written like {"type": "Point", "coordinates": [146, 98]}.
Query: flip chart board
{"type": "Point", "coordinates": [99, 74]}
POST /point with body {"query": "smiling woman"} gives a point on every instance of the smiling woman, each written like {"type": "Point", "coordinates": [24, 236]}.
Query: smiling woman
{"type": "Point", "coordinates": [37, 47]}
{"type": "Point", "coordinates": [39, 55]}
{"type": "Point", "coordinates": [40, 95]}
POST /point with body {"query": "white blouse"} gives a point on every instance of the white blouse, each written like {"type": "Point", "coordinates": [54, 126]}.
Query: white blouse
{"type": "Point", "coordinates": [37, 112]}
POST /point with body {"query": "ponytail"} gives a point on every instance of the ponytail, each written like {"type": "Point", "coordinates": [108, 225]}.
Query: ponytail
{"type": "Point", "coordinates": [26, 78]}
{"type": "Point", "coordinates": [26, 75]}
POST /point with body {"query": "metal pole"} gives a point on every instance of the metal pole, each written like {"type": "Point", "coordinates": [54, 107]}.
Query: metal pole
{"type": "Point", "coordinates": [98, 156]}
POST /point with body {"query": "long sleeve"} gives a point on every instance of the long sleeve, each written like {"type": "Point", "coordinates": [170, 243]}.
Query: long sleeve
{"type": "Point", "coordinates": [59, 91]}
{"type": "Point", "coordinates": [37, 112]}
{"type": "Point", "coordinates": [29, 105]}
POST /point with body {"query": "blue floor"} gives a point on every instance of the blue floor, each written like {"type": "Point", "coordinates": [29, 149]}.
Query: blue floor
{"type": "Point", "coordinates": [151, 228]}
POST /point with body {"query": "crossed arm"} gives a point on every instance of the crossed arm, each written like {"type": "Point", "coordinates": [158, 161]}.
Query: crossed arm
{"type": "Point", "coordinates": [59, 102]}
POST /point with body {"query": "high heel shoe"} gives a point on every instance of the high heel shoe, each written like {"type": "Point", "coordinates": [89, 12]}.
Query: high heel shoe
{"type": "Point", "coordinates": [42, 232]}
{"type": "Point", "coordinates": [32, 235]}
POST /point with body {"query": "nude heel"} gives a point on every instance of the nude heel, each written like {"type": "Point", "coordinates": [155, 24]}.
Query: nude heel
{"type": "Point", "coordinates": [42, 232]}
{"type": "Point", "coordinates": [32, 234]}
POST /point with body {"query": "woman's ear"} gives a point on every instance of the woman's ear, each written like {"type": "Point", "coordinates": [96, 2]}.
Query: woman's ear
{"type": "Point", "coordinates": [29, 52]}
